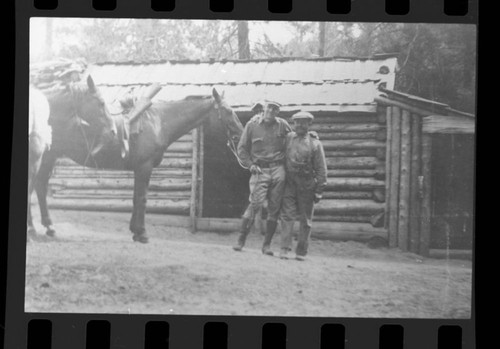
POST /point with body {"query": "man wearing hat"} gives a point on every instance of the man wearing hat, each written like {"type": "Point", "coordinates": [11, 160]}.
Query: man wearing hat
{"type": "Point", "coordinates": [305, 181]}
{"type": "Point", "coordinates": [262, 150]}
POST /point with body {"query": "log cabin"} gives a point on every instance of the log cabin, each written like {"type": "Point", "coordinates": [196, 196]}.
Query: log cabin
{"type": "Point", "coordinates": [395, 161]}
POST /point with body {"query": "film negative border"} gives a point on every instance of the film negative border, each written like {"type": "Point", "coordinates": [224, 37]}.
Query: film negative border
{"type": "Point", "coordinates": [425, 11]}
{"type": "Point", "coordinates": [179, 331]}
{"type": "Point", "coordinates": [155, 332]}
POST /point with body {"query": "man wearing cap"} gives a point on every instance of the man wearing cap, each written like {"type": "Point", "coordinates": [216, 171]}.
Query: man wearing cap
{"type": "Point", "coordinates": [262, 150]}
{"type": "Point", "coordinates": [305, 181]}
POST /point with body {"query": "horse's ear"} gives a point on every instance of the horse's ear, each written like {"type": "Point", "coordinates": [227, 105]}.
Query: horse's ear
{"type": "Point", "coordinates": [91, 84]}
{"type": "Point", "coordinates": [216, 95]}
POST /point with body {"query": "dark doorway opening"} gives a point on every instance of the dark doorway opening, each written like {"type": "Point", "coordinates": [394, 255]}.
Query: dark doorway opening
{"type": "Point", "coordinates": [225, 182]}
{"type": "Point", "coordinates": [452, 180]}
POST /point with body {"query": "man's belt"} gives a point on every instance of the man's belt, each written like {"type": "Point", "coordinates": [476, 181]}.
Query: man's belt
{"type": "Point", "coordinates": [270, 164]}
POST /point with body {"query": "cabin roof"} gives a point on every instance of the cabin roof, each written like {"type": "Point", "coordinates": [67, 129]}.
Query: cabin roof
{"type": "Point", "coordinates": [317, 84]}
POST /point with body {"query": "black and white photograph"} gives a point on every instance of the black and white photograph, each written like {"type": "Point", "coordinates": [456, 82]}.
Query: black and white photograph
{"type": "Point", "coordinates": [251, 168]}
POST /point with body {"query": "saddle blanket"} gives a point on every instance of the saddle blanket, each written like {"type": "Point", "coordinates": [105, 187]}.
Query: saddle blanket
{"type": "Point", "coordinates": [39, 111]}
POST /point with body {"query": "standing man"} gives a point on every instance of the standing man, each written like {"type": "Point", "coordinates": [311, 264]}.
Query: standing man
{"type": "Point", "coordinates": [305, 181]}
{"type": "Point", "coordinates": [262, 150]}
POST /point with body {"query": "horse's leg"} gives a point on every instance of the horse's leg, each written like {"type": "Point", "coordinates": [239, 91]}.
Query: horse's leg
{"type": "Point", "coordinates": [30, 227]}
{"type": "Point", "coordinates": [41, 187]}
{"type": "Point", "coordinates": [35, 153]}
{"type": "Point", "coordinates": [34, 165]}
{"type": "Point", "coordinates": [142, 175]}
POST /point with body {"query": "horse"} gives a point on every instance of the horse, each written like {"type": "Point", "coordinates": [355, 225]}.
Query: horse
{"type": "Point", "coordinates": [39, 140]}
{"type": "Point", "coordinates": [159, 126]}
{"type": "Point", "coordinates": [74, 110]}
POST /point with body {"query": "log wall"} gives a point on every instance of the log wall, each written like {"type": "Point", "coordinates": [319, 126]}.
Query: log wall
{"type": "Point", "coordinates": [171, 189]}
{"type": "Point", "coordinates": [406, 196]}
{"type": "Point", "coordinates": [355, 150]}
{"type": "Point", "coordinates": [408, 185]}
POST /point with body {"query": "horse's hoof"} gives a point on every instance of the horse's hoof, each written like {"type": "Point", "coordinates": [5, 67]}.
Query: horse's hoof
{"type": "Point", "coordinates": [140, 238]}
{"type": "Point", "coordinates": [50, 232]}
{"type": "Point", "coordinates": [31, 231]}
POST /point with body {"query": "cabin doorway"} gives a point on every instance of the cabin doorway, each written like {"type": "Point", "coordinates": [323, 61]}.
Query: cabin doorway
{"type": "Point", "coordinates": [225, 182]}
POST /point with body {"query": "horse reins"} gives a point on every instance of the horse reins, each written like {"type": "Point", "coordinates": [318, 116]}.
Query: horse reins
{"type": "Point", "coordinates": [230, 142]}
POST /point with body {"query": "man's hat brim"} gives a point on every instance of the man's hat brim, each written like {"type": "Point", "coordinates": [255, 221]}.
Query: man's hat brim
{"type": "Point", "coordinates": [263, 104]}
{"type": "Point", "coordinates": [303, 115]}
{"type": "Point", "coordinates": [271, 103]}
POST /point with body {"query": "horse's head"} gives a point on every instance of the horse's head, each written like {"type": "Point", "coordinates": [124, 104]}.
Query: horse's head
{"type": "Point", "coordinates": [228, 118]}
{"type": "Point", "coordinates": [93, 113]}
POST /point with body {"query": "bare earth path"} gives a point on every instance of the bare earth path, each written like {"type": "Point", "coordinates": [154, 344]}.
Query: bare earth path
{"type": "Point", "coordinates": [93, 266]}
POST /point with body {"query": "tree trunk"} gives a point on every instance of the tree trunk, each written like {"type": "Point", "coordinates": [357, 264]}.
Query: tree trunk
{"type": "Point", "coordinates": [322, 35]}
{"type": "Point", "coordinates": [49, 31]}
{"type": "Point", "coordinates": [243, 43]}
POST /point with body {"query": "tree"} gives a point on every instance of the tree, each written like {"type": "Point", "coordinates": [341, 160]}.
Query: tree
{"type": "Point", "coordinates": [322, 38]}
{"type": "Point", "coordinates": [243, 43]}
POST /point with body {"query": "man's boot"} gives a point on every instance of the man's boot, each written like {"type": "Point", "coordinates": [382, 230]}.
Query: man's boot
{"type": "Point", "coordinates": [245, 229]}
{"type": "Point", "coordinates": [271, 229]}
{"type": "Point", "coordinates": [286, 238]}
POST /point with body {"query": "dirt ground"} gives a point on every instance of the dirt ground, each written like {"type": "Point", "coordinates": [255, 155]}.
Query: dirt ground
{"type": "Point", "coordinates": [93, 266]}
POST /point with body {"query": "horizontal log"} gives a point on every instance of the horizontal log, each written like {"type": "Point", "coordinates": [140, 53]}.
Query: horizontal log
{"type": "Point", "coordinates": [120, 205]}
{"type": "Point", "coordinates": [381, 135]}
{"type": "Point", "coordinates": [329, 207]}
{"type": "Point", "coordinates": [369, 127]}
{"type": "Point", "coordinates": [355, 173]}
{"type": "Point", "coordinates": [448, 124]}
{"type": "Point", "coordinates": [186, 138]}
{"type": "Point", "coordinates": [343, 218]}
{"type": "Point", "coordinates": [351, 152]}
{"type": "Point", "coordinates": [66, 162]}
{"type": "Point", "coordinates": [63, 172]}
{"type": "Point", "coordinates": [169, 161]}
{"type": "Point", "coordinates": [321, 230]}
{"type": "Point", "coordinates": [353, 183]}
{"type": "Point", "coordinates": [98, 199]}
{"type": "Point", "coordinates": [323, 233]}
{"type": "Point", "coordinates": [336, 163]}
{"type": "Point", "coordinates": [346, 118]}
{"type": "Point", "coordinates": [351, 144]}
{"type": "Point", "coordinates": [176, 163]}
{"type": "Point", "coordinates": [381, 153]}
{"type": "Point", "coordinates": [347, 195]}
{"type": "Point", "coordinates": [180, 147]}
{"type": "Point", "coordinates": [119, 183]}
{"type": "Point", "coordinates": [118, 194]}
{"type": "Point", "coordinates": [346, 135]}
{"type": "Point", "coordinates": [170, 154]}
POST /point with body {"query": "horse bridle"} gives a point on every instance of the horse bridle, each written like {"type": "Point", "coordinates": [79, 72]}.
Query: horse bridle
{"type": "Point", "coordinates": [81, 121]}
{"type": "Point", "coordinates": [230, 141]}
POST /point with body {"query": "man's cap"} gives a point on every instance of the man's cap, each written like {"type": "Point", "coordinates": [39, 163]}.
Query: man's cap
{"type": "Point", "coordinates": [303, 115]}
{"type": "Point", "coordinates": [259, 106]}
